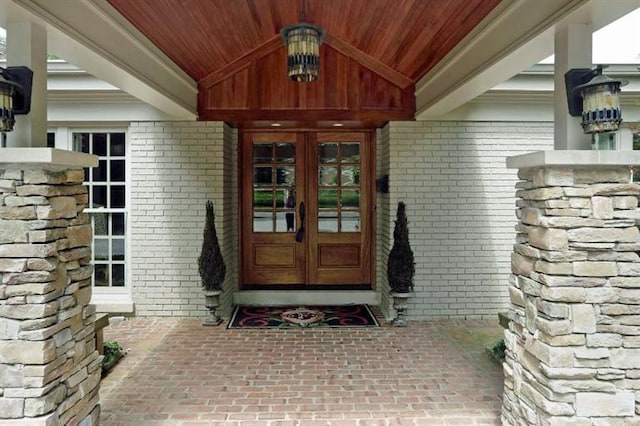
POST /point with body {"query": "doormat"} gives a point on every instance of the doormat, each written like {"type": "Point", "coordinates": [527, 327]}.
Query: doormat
{"type": "Point", "coordinates": [302, 317]}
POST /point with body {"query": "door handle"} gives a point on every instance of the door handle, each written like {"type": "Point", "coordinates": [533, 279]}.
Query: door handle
{"type": "Point", "coordinates": [300, 233]}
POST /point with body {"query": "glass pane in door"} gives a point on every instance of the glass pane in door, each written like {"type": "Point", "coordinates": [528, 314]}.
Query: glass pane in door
{"type": "Point", "coordinates": [274, 181]}
{"type": "Point", "coordinates": [339, 187]}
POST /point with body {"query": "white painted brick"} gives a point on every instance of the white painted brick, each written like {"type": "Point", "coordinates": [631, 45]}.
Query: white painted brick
{"type": "Point", "coordinates": [460, 205]}
{"type": "Point", "coordinates": [176, 167]}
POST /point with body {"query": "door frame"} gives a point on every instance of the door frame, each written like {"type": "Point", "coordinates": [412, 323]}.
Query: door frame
{"type": "Point", "coordinates": [369, 138]}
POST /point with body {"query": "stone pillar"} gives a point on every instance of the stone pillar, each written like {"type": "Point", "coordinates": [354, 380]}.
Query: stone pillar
{"type": "Point", "coordinates": [49, 366]}
{"type": "Point", "coordinates": [573, 342]}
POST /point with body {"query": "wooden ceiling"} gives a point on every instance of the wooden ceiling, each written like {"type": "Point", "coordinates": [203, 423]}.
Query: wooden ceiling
{"type": "Point", "coordinates": [232, 48]}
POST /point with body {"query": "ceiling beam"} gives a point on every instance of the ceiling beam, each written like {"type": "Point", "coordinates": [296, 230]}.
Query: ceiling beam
{"type": "Point", "coordinates": [516, 35]}
{"type": "Point", "coordinates": [93, 36]}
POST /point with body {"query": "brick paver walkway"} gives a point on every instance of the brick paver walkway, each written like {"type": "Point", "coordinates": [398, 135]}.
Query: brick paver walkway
{"type": "Point", "coordinates": [178, 372]}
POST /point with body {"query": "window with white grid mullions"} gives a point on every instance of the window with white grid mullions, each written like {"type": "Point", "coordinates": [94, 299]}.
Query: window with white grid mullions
{"type": "Point", "coordinates": [107, 205]}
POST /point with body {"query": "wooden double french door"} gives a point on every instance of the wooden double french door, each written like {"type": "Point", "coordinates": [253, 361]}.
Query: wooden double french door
{"type": "Point", "coordinates": [307, 209]}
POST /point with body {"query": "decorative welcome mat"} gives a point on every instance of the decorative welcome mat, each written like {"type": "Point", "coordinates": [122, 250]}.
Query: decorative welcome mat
{"type": "Point", "coordinates": [302, 317]}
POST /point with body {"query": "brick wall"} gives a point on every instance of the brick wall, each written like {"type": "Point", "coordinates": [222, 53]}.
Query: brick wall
{"type": "Point", "coordinates": [460, 205]}
{"type": "Point", "coordinates": [452, 176]}
{"type": "Point", "coordinates": [175, 168]}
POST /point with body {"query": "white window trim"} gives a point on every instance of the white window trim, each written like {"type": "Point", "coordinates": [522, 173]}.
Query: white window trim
{"type": "Point", "coordinates": [108, 299]}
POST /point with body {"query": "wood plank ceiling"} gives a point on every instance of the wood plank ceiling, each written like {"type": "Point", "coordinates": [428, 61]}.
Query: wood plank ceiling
{"type": "Point", "coordinates": [373, 54]}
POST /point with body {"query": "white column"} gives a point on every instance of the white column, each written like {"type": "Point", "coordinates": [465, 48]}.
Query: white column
{"type": "Point", "coordinates": [27, 46]}
{"type": "Point", "coordinates": [572, 50]}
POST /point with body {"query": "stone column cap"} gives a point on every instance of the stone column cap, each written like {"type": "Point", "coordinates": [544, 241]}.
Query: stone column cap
{"type": "Point", "coordinates": [574, 158]}
{"type": "Point", "coordinates": [44, 159]}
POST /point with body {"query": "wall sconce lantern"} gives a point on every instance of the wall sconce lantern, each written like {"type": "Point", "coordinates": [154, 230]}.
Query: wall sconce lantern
{"type": "Point", "coordinates": [594, 97]}
{"type": "Point", "coordinates": [303, 42]}
{"type": "Point", "coordinates": [15, 95]}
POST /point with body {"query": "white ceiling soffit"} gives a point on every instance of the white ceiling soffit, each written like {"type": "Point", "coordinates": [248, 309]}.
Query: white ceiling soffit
{"type": "Point", "coordinates": [516, 35]}
{"type": "Point", "coordinates": [93, 36]}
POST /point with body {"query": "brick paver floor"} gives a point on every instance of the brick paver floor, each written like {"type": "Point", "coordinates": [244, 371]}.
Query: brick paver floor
{"type": "Point", "coordinates": [177, 372]}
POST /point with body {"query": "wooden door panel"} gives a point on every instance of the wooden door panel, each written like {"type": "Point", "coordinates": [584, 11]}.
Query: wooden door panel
{"type": "Point", "coordinates": [266, 255]}
{"type": "Point", "coordinates": [336, 256]}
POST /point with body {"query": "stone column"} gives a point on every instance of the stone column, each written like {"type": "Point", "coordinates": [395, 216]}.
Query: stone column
{"type": "Point", "coordinates": [573, 342]}
{"type": "Point", "coordinates": [49, 366]}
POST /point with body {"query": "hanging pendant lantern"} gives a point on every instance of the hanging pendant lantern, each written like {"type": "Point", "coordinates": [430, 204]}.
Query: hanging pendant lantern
{"type": "Point", "coordinates": [303, 42]}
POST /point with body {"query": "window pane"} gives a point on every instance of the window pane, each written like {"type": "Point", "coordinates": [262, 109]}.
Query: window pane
{"type": "Point", "coordinates": [350, 152]}
{"type": "Point", "coordinates": [350, 222]}
{"type": "Point", "coordinates": [328, 152]}
{"type": "Point", "coordinates": [117, 170]}
{"type": "Point", "coordinates": [350, 198]}
{"type": "Point", "coordinates": [281, 198]}
{"type": "Point", "coordinates": [262, 198]}
{"type": "Point", "coordinates": [101, 274]}
{"type": "Point", "coordinates": [81, 142]}
{"type": "Point", "coordinates": [350, 176]}
{"type": "Point", "coordinates": [99, 196]}
{"type": "Point", "coordinates": [117, 246]}
{"type": "Point", "coordinates": [117, 196]}
{"type": "Point", "coordinates": [262, 176]}
{"type": "Point", "coordinates": [328, 222]}
{"type": "Point", "coordinates": [328, 176]}
{"type": "Point", "coordinates": [262, 221]}
{"type": "Point", "coordinates": [117, 223]}
{"type": "Point", "coordinates": [116, 141]}
{"type": "Point", "coordinates": [117, 275]}
{"type": "Point", "coordinates": [100, 144]}
{"type": "Point", "coordinates": [328, 199]}
{"type": "Point", "coordinates": [100, 223]}
{"type": "Point", "coordinates": [100, 172]}
{"type": "Point", "coordinates": [285, 221]}
{"type": "Point", "coordinates": [101, 248]}
{"type": "Point", "coordinates": [285, 176]}
{"type": "Point", "coordinates": [285, 153]}
{"type": "Point", "coordinates": [262, 153]}
{"type": "Point", "coordinates": [51, 140]}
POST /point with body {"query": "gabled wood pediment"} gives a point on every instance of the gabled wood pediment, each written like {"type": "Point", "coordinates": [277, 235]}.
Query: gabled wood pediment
{"type": "Point", "coordinates": [256, 88]}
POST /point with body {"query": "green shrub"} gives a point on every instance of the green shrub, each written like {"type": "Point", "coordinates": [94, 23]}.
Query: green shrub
{"type": "Point", "coordinates": [112, 353]}
{"type": "Point", "coordinates": [498, 350]}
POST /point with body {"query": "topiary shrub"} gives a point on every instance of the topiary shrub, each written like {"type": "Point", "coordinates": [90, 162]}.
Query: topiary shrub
{"type": "Point", "coordinates": [400, 265]}
{"type": "Point", "coordinates": [211, 263]}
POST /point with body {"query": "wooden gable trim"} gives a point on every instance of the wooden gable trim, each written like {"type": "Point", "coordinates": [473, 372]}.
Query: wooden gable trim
{"type": "Point", "coordinates": [390, 74]}
{"type": "Point", "coordinates": [242, 62]}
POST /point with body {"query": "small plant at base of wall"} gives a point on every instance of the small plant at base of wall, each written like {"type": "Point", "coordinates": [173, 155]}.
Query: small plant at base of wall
{"type": "Point", "coordinates": [113, 352]}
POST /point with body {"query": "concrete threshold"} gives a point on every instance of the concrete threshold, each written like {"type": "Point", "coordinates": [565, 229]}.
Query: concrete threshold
{"type": "Point", "coordinates": [305, 297]}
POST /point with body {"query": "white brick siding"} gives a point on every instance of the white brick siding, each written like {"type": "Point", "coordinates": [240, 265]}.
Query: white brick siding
{"type": "Point", "coordinates": [176, 167]}
{"type": "Point", "coordinates": [452, 176]}
{"type": "Point", "coordinates": [461, 209]}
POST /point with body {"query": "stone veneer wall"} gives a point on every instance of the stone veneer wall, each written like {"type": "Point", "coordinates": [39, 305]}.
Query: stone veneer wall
{"type": "Point", "coordinates": [49, 366]}
{"type": "Point", "coordinates": [573, 345]}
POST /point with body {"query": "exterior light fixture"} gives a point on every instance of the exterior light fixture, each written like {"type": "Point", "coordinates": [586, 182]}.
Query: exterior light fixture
{"type": "Point", "coordinates": [303, 42]}
{"type": "Point", "coordinates": [594, 97]}
{"type": "Point", "coordinates": [15, 95]}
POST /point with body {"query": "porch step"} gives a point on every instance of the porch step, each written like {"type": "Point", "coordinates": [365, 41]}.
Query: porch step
{"type": "Point", "coordinates": [305, 297]}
